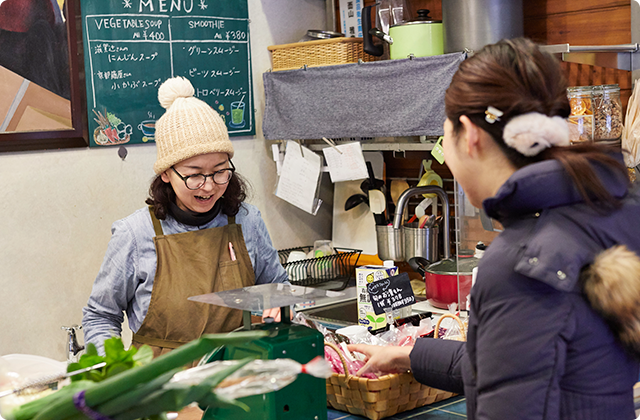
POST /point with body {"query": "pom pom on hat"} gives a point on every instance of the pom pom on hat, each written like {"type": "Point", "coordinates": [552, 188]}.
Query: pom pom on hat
{"type": "Point", "coordinates": [189, 127]}
{"type": "Point", "coordinates": [172, 89]}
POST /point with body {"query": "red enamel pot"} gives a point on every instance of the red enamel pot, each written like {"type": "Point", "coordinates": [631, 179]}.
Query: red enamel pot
{"type": "Point", "coordinates": [441, 279]}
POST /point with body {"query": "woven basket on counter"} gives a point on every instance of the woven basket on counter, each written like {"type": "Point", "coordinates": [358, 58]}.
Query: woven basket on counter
{"type": "Point", "coordinates": [378, 398]}
{"type": "Point", "coordinates": [324, 52]}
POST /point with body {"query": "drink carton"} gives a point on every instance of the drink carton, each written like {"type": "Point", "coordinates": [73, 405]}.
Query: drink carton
{"type": "Point", "coordinates": [365, 275]}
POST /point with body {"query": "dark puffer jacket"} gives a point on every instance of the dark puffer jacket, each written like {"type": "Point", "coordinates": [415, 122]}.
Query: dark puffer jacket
{"type": "Point", "coordinates": [536, 349]}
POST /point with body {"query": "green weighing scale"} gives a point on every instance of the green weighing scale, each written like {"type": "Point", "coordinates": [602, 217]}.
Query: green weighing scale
{"type": "Point", "coordinates": [306, 397]}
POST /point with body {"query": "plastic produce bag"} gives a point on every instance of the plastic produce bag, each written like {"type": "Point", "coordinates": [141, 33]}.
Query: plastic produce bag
{"type": "Point", "coordinates": [262, 376]}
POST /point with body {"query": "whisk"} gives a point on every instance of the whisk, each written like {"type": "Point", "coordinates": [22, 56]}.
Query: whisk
{"type": "Point", "coordinates": [47, 381]}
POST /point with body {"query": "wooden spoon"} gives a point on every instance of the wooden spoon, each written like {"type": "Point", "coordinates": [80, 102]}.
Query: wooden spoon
{"type": "Point", "coordinates": [397, 187]}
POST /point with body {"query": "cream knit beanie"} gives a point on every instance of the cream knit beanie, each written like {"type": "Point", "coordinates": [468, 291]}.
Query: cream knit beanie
{"type": "Point", "coordinates": [189, 127]}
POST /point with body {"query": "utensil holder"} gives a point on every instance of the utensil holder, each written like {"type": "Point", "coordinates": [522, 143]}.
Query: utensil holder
{"type": "Point", "coordinates": [420, 243]}
{"type": "Point", "coordinates": [389, 240]}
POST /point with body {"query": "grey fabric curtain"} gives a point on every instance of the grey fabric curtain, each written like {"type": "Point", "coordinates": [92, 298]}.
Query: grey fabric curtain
{"type": "Point", "coordinates": [391, 98]}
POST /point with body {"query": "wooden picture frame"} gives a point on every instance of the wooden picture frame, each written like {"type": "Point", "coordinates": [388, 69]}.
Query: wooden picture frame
{"type": "Point", "coordinates": [63, 138]}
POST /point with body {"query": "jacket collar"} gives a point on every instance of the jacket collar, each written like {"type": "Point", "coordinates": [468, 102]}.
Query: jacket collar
{"type": "Point", "coordinates": [545, 185]}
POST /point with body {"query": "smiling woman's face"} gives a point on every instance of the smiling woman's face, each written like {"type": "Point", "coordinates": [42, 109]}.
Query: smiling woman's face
{"type": "Point", "coordinates": [204, 198]}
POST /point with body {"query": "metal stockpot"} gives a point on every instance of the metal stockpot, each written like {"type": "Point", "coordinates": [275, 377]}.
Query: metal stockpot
{"type": "Point", "coordinates": [473, 24]}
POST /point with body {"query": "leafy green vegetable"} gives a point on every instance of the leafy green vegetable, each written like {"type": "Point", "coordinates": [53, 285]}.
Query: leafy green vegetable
{"type": "Point", "coordinates": [116, 357]}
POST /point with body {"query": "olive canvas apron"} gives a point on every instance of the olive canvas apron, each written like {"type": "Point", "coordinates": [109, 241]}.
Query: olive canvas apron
{"type": "Point", "coordinates": [189, 264]}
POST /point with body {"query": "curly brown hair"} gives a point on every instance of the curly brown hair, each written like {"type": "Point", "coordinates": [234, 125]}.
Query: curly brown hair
{"type": "Point", "coordinates": [517, 77]}
{"type": "Point", "coordinates": [161, 194]}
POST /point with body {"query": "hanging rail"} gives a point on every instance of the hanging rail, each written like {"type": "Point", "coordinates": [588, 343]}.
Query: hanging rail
{"type": "Point", "coordinates": [622, 56]}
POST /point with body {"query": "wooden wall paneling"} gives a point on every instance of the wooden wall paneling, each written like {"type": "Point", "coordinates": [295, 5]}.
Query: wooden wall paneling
{"type": "Point", "coordinates": [544, 8]}
{"type": "Point", "coordinates": [592, 27]}
{"type": "Point", "coordinates": [583, 74]}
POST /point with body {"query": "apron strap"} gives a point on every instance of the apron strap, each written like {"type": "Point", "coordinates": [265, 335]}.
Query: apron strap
{"type": "Point", "coordinates": [231, 220]}
{"type": "Point", "coordinates": [157, 227]}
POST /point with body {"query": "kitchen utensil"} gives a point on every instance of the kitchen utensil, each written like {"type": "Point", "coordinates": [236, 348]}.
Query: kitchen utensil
{"type": "Point", "coordinates": [426, 221]}
{"type": "Point", "coordinates": [377, 202]}
{"type": "Point", "coordinates": [473, 24]}
{"type": "Point", "coordinates": [421, 37]}
{"type": "Point", "coordinates": [430, 177]}
{"type": "Point", "coordinates": [365, 185]}
{"type": "Point", "coordinates": [355, 200]}
{"type": "Point", "coordinates": [396, 188]}
{"type": "Point", "coordinates": [446, 281]}
{"type": "Point", "coordinates": [422, 206]}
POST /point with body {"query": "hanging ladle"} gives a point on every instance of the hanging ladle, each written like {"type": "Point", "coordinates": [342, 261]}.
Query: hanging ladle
{"type": "Point", "coordinates": [355, 200]}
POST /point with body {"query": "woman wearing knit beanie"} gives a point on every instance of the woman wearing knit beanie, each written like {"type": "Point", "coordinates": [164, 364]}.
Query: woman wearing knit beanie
{"type": "Point", "coordinates": [197, 236]}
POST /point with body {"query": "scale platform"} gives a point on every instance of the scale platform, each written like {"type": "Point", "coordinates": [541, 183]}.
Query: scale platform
{"type": "Point", "coordinates": [305, 398]}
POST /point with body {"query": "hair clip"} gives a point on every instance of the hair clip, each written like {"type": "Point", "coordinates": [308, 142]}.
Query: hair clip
{"type": "Point", "coordinates": [492, 114]}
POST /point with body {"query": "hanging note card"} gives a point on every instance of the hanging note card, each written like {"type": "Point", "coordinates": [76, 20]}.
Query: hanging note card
{"type": "Point", "coordinates": [299, 177]}
{"type": "Point", "coordinates": [346, 163]}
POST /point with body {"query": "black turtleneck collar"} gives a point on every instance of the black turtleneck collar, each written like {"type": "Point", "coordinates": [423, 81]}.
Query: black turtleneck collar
{"type": "Point", "coordinates": [192, 218]}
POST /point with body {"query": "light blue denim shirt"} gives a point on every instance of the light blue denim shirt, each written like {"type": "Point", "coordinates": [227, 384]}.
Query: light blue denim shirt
{"type": "Point", "coordinates": [125, 280]}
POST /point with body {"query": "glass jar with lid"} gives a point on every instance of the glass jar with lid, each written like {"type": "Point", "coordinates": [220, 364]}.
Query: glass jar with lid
{"type": "Point", "coordinates": [608, 113]}
{"type": "Point", "coordinates": [581, 119]}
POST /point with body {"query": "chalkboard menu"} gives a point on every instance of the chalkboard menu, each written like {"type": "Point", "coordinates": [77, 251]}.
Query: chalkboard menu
{"type": "Point", "coordinates": [132, 46]}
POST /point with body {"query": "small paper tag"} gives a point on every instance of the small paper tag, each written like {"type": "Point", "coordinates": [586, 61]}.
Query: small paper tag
{"type": "Point", "coordinates": [438, 151]}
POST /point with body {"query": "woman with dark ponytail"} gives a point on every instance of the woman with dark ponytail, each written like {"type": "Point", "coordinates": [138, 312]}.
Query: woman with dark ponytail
{"type": "Point", "coordinates": [554, 322]}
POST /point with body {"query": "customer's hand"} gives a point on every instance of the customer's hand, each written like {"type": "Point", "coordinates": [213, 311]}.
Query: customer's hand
{"type": "Point", "coordinates": [383, 359]}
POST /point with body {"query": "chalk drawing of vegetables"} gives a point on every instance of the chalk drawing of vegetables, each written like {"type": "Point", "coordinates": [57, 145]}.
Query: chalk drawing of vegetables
{"type": "Point", "coordinates": [111, 130]}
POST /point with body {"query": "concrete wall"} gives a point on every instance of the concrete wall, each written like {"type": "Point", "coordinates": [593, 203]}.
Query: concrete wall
{"type": "Point", "coordinates": [57, 207]}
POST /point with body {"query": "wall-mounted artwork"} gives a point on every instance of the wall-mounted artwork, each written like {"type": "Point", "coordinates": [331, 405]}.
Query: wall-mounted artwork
{"type": "Point", "coordinates": [40, 104]}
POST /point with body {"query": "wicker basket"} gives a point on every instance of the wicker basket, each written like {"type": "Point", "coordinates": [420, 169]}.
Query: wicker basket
{"type": "Point", "coordinates": [462, 327]}
{"type": "Point", "coordinates": [378, 398]}
{"type": "Point", "coordinates": [324, 52]}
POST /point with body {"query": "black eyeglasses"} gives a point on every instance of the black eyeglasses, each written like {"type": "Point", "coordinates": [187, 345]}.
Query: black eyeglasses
{"type": "Point", "coordinates": [196, 181]}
